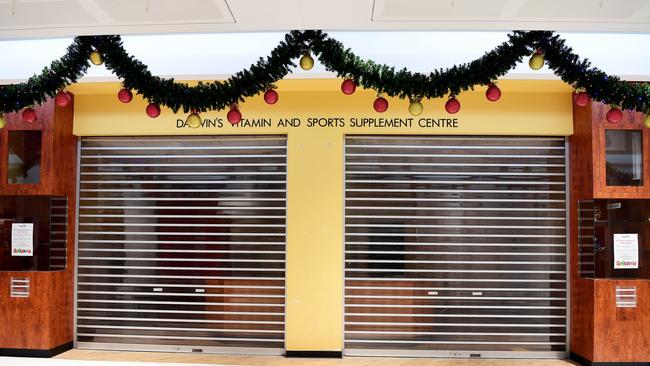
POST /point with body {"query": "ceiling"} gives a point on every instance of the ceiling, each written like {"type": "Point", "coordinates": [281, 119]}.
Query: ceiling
{"type": "Point", "coordinates": [62, 18]}
{"type": "Point", "coordinates": [216, 56]}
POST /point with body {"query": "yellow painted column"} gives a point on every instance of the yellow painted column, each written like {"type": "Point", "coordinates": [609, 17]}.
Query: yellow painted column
{"type": "Point", "coordinates": [314, 319]}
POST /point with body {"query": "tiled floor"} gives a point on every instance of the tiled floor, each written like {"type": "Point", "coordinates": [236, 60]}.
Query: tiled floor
{"type": "Point", "coordinates": [103, 358]}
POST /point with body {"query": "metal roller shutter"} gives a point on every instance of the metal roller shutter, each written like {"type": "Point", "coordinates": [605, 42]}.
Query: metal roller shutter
{"type": "Point", "coordinates": [181, 244]}
{"type": "Point", "coordinates": [455, 246]}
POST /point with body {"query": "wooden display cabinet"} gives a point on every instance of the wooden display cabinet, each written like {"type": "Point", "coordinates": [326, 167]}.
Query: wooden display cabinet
{"type": "Point", "coordinates": [603, 331]}
{"type": "Point", "coordinates": [38, 165]}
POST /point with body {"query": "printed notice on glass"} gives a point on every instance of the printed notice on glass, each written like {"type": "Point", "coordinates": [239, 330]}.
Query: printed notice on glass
{"type": "Point", "coordinates": [626, 251]}
{"type": "Point", "coordinates": [22, 240]}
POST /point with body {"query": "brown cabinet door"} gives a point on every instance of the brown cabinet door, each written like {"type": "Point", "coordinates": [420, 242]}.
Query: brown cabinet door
{"type": "Point", "coordinates": [621, 164]}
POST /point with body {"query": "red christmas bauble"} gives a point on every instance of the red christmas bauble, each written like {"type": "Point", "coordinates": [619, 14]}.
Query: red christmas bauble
{"type": "Point", "coordinates": [125, 95]}
{"type": "Point", "coordinates": [29, 115]}
{"type": "Point", "coordinates": [493, 93]}
{"type": "Point", "coordinates": [582, 99]}
{"type": "Point", "coordinates": [62, 99]}
{"type": "Point", "coordinates": [153, 110]}
{"type": "Point", "coordinates": [380, 104]}
{"type": "Point", "coordinates": [614, 115]}
{"type": "Point", "coordinates": [234, 116]}
{"type": "Point", "coordinates": [271, 96]}
{"type": "Point", "coordinates": [452, 106]}
{"type": "Point", "coordinates": [348, 86]}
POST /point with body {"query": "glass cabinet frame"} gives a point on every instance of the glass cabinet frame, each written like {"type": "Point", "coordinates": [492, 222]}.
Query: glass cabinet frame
{"type": "Point", "coordinates": [44, 125]}
{"type": "Point", "coordinates": [601, 188]}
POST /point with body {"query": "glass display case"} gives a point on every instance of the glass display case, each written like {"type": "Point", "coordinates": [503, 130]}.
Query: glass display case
{"type": "Point", "coordinates": [623, 157]}
{"type": "Point", "coordinates": [614, 238]}
{"type": "Point", "coordinates": [621, 168]}
{"type": "Point", "coordinates": [33, 232]}
{"type": "Point", "coordinates": [24, 157]}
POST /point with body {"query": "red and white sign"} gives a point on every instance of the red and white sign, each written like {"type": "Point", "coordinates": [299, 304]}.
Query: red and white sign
{"type": "Point", "coordinates": [22, 240]}
{"type": "Point", "coordinates": [626, 251]}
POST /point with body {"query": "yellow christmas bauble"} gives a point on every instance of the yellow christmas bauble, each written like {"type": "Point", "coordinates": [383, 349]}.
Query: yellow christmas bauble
{"type": "Point", "coordinates": [193, 120]}
{"type": "Point", "coordinates": [415, 108]}
{"type": "Point", "coordinates": [3, 121]}
{"type": "Point", "coordinates": [536, 61]}
{"type": "Point", "coordinates": [646, 120]}
{"type": "Point", "coordinates": [96, 58]}
{"type": "Point", "coordinates": [306, 62]}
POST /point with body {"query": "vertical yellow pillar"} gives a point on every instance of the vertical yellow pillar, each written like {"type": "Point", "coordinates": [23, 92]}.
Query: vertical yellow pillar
{"type": "Point", "coordinates": [315, 241]}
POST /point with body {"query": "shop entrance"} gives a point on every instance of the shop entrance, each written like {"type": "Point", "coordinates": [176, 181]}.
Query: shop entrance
{"type": "Point", "coordinates": [181, 244]}
{"type": "Point", "coordinates": [455, 246]}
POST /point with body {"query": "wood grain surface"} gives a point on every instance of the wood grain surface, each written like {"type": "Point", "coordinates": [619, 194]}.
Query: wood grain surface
{"type": "Point", "coordinates": [581, 188]}
{"type": "Point", "coordinates": [44, 320]}
{"type": "Point", "coordinates": [621, 334]}
{"type": "Point", "coordinates": [600, 332]}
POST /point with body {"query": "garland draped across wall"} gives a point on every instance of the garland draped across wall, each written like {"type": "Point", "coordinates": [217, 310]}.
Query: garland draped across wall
{"type": "Point", "coordinates": [544, 46]}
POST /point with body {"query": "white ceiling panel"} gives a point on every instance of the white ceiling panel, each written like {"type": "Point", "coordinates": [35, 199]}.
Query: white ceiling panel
{"type": "Point", "coordinates": [563, 15]}
{"type": "Point", "coordinates": [29, 15]}
{"type": "Point", "coordinates": [65, 18]}
{"type": "Point", "coordinates": [165, 11]}
{"type": "Point", "coordinates": [435, 9]}
{"type": "Point", "coordinates": [589, 10]}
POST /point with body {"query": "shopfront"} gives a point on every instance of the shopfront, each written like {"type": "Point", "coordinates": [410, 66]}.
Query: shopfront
{"type": "Point", "coordinates": [181, 243]}
{"type": "Point", "coordinates": [456, 245]}
{"type": "Point", "coordinates": [319, 225]}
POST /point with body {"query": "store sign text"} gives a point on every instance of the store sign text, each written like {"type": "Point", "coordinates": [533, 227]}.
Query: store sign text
{"type": "Point", "coordinates": [330, 122]}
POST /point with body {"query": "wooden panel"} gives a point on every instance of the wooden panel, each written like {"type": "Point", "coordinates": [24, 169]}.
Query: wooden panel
{"type": "Point", "coordinates": [43, 320]}
{"type": "Point", "coordinates": [253, 299]}
{"type": "Point", "coordinates": [621, 334]}
{"type": "Point", "coordinates": [415, 288]}
{"type": "Point", "coordinates": [28, 322]}
{"type": "Point", "coordinates": [631, 121]}
{"type": "Point", "coordinates": [582, 317]}
{"type": "Point", "coordinates": [580, 154]}
{"type": "Point", "coordinates": [600, 332]}
{"type": "Point", "coordinates": [64, 152]}
{"type": "Point", "coordinates": [581, 188]}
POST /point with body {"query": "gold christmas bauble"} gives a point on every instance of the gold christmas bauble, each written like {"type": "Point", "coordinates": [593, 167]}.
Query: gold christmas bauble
{"type": "Point", "coordinates": [306, 62]}
{"type": "Point", "coordinates": [193, 120]}
{"type": "Point", "coordinates": [3, 121]}
{"type": "Point", "coordinates": [646, 120]}
{"type": "Point", "coordinates": [536, 61]}
{"type": "Point", "coordinates": [96, 58]}
{"type": "Point", "coordinates": [415, 108]}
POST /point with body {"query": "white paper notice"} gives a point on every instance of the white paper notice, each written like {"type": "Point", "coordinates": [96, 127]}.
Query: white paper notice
{"type": "Point", "coordinates": [22, 240]}
{"type": "Point", "coordinates": [626, 251]}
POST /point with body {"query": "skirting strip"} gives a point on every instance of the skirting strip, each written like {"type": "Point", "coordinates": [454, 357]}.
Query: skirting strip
{"type": "Point", "coordinates": [42, 353]}
{"type": "Point", "coordinates": [314, 354]}
{"type": "Point", "coordinates": [585, 362]}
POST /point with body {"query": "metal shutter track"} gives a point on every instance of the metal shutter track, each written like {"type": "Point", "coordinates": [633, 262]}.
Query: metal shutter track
{"type": "Point", "coordinates": [181, 244]}
{"type": "Point", "coordinates": [455, 246]}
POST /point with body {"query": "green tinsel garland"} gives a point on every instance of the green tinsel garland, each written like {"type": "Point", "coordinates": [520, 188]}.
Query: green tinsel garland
{"type": "Point", "coordinates": [336, 58]}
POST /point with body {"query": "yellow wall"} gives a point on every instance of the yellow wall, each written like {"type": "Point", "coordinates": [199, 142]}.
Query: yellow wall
{"type": "Point", "coordinates": [314, 319]}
